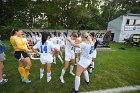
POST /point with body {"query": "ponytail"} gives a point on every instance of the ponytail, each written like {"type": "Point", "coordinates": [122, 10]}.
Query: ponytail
{"type": "Point", "coordinates": [14, 31]}
{"type": "Point", "coordinates": [88, 37]}
{"type": "Point", "coordinates": [44, 37]}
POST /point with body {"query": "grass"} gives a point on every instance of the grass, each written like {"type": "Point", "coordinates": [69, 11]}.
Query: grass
{"type": "Point", "coordinates": [112, 69]}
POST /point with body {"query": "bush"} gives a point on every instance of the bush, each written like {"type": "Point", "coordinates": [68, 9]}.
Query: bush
{"type": "Point", "coordinates": [5, 32]}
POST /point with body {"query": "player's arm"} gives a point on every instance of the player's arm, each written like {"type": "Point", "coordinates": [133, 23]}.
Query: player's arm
{"type": "Point", "coordinates": [20, 45]}
{"type": "Point", "coordinates": [77, 41]}
{"type": "Point", "coordinates": [73, 43]}
{"type": "Point", "coordinates": [54, 51]}
{"type": "Point", "coordinates": [53, 48]}
{"type": "Point", "coordinates": [34, 49]}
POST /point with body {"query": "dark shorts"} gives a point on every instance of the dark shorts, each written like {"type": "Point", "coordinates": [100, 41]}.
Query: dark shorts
{"type": "Point", "coordinates": [19, 54]}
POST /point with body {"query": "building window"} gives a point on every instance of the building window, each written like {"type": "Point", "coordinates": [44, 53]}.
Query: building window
{"type": "Point", "coordinates": [127, 22]}
{"type": "Point", "coordinates": [137, 22]}
{"type": "Point", "coordinates": [131, 22]}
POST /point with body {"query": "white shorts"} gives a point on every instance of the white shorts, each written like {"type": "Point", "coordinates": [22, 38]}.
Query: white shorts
{"type": "Point", "coordinates": [62, 43]}
{"type": "Point", "coordinates": [77, 50]}
{"type": "Point", "coordinates": [58, 48]}
{"type": "Point", "coordinates": [69, 56]}
{"type": "Point", "coordinates": [94, 53]}
{"type": "Point", "coordinates": [46, 59]}
{"type": "Point", "coordinates": [84, 62]}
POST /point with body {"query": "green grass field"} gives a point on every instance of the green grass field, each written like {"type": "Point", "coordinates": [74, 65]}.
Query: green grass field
{"type": "Point", "coordinates": [112, 69]}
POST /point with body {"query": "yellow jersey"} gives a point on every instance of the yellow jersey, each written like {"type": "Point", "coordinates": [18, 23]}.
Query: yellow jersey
{"type": "Point", "coordinates": [18, 44]}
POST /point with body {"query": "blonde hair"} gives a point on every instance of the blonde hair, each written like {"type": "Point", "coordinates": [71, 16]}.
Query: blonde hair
{"type": "Point", "coordinates": [88, 37]}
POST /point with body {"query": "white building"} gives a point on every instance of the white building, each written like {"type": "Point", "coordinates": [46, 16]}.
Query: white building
{"type": "Point", "coordinates": [123, 26]}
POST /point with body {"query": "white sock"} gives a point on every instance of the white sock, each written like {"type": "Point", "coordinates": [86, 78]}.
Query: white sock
{"type": "Point", "coordinates": [60, 58]}
{"type": "Point", "coordinates": [71, 68]}
{"type": "Point", "coordinates": [77, 83]}
{"type": "Point", "coordinates": [41, 71]}
{"type": "Point", "coordinates": [63, 72]}
{"type": "Point", "coordinates": [92, 64]}
{"type": "Point", "coordinates": [86, 75]}
{"type": "Point", "coordinates": [48, 74]}
{"type": "Point", "coordinates": [1, 80]}
{"type": "Point", "coordinates": [54, 59]}
{"type": "Point", "coordinates": [77, 59]}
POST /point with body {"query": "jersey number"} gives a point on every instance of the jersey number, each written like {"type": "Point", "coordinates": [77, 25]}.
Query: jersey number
{"type": "Point", "coordinates": [43, 49]}
{"type": "Point", "coordinates": [57, 42]}
{"type": "Point", "coordinates": [91, 49]}
{"type": "Point", "coordinates": [71, 48]}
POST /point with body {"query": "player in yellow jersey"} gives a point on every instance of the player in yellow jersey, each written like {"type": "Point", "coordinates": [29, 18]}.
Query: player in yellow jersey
{"type": "Point", "coordinates": [21, 51]}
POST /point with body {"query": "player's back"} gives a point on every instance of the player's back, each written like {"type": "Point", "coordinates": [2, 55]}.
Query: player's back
{"type": "Point", "coordinates": [87, 50]}
{"type": "Point", "coordinates": [46, 47]}
{"type": "Point", "coordinates": [56, 40]}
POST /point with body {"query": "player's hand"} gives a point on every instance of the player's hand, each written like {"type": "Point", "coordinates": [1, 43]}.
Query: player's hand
{"type": "Point", "coordinates": [57, 50]}
{"type": "Point", "coordinates": [30, 51]}
{"type": "Point", "coordinates": [38, 53]}
{"type": "Point", "coordinates": [68, 39]}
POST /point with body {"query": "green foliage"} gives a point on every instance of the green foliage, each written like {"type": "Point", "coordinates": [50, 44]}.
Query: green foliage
{"type": "Point", "coordinates": [5, 32]}
{"type": "Point", "coordinates": [64, 14]}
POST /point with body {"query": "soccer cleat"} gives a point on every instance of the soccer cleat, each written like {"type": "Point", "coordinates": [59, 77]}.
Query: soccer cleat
{"type": "Point", "coordinates": [49, 79]}
{"type": "Point", "coordinates": [54, 62]}
{"type": "Point", "coordinates": [41, 76]}
{"type": "Point", "coordinates": [27, 81]}
{"type": "Point", "coordinates": [62, 79]}
{"type": "Point", "coordinates": [3, 81]}
{"type": "Point", "coordinates": [72, 73]}
{"type": "Point", "coordinates": [87, 83]}
{"type": "Point", "coordinates": [4, 75]}
{"type": "Point", "coordinates": [73, 91]}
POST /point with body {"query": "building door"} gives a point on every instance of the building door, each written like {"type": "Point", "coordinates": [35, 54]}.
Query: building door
{"type": "Point", "coordinates": [112, 36]}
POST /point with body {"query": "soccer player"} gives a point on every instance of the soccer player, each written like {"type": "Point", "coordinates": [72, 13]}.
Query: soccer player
{"type": "Point", "coordinates": [21, 51]}
{"type": "Point", "coordinates": [57, 42]}
{"type": "Point", "coordinates": [78, 50]}
{"type": "Point", "coordinates": [87, 47]}
{"type": "Point", "coordinates": [62, 38]}
{"type": "Point", "coordinates": [2, 80]}
{"type": "Point", "coordinates": [69, 56]}
{"type": "Point", "coordinates": [38, 38]}
{"type": "Point", "coordinates": [45, 47]}
{"type": "Point", "coordinates": [91, 67]}
{"type": "Point", "coordinates": [35, 36]}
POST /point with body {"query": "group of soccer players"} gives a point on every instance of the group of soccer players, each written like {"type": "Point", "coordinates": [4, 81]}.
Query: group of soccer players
{"type": "Point", "coordinates": [82, 46]}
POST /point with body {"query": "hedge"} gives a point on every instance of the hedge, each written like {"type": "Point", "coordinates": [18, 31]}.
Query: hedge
{"type": "Point", "coordinates": [5, 32]}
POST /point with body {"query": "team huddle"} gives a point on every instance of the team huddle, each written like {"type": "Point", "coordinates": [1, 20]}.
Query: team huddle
{"type": "Point", "coordinates": [78, 47]}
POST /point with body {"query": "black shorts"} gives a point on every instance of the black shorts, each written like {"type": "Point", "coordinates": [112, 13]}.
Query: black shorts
{"type": "Point", "coordinates": [18, 54]}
